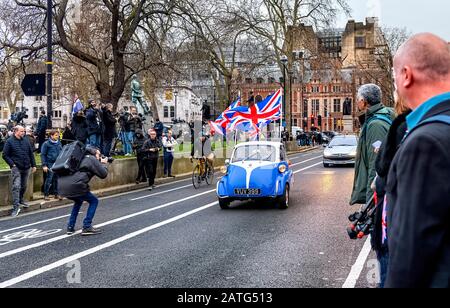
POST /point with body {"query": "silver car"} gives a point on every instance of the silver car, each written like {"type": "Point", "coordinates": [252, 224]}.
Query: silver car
{"type": "Point", "coordinates": [340, 151]}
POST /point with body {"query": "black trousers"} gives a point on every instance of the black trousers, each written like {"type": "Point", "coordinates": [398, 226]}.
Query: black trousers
{"type": "Point", "coordinates": [151, 165]}
{"type": "Point", "coordinates": [142, 176]}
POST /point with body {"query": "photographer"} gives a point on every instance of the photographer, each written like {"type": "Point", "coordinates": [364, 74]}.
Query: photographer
{"type": "Point", "coordinates": [135, 121]}
{"type": "Point", "coordinates": [138, 144]}
{"type": "Point", "coordinates": [169, 144]}
{"type": "Point", "coordinates": [41, 130]}
{"type": "Point", "coordinates": [126, 134]}
{"type": "Point", "coordinates": [76, 188]}
{"type": "Point", "coordinates": [95, 124]}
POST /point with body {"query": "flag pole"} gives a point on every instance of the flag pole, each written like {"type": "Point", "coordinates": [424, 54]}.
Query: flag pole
{"type": "Point", "coordinates": [282, 118]}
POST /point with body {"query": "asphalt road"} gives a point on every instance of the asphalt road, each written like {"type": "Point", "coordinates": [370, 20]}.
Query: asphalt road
{"type": "Point", "coordinates": [177, 236]}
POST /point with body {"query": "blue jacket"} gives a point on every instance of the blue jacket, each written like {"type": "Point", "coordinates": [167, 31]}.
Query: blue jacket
{"type": "Point", "coordinates": [19, 152]}
{"type": "Point", "coordinates": [94, 121]}
{"type": "Point", "coordinates": [42, 125]}
{"type": "Point", "coordinates": [50, 152]}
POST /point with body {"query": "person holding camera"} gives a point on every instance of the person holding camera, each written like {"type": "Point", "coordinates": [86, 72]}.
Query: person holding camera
{"type": "Point", "coordinates": [19, 155]}
{"type": "Point", "coordinates": [169, 144]}
{"type": "Point", "coordinates": [138, 144]}
{"type": "Point", "coordinates": [75, 187]}
{"type": "Point", "coordinates": [41, 129]}
{"type": "Point", "coordinates": [126, 135]}
{"type": "Point", "coordinates": [151, 149]}
{"type": "Point", "coordinates": [95, 124]}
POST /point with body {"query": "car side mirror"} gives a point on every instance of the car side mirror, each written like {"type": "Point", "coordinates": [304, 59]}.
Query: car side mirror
{"type": "Point", "coordinates": [227, 162]}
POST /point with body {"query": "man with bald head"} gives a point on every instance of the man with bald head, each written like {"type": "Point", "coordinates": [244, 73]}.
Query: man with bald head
{"type": "Point", "coordinates": [418, 186]}
{"type": "Point", "coordinates": [18, 154]}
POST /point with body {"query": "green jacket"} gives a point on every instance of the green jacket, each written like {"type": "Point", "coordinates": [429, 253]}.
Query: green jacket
{"type": "Point", "coordinates": [373, 130]}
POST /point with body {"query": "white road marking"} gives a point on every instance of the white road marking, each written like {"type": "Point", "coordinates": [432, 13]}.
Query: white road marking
{"type": "Point", "coordinates": [307, 168]}
{"type": "Point", "coordinates": [49, 241]}
{"type": "Point", "coordinates": [88, 252]}
{"type": "Point", "coordinates": [308, 160]}
{"type": "Point", "coordinates": [34, 224]}
{"type": "Point", "coordinates": [358, 267]}
{"type": "Point", "coordinates": [162, 192]}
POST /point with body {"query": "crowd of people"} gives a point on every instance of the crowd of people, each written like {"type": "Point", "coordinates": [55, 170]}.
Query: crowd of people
{"type": "Point", "coordinates": [409, 173]}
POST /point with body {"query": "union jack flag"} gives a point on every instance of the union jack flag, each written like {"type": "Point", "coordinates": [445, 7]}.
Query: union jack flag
{"type": "Point", "coordinates": [220, 125]}
{"type": "Point", "coordinates": [253, 119]}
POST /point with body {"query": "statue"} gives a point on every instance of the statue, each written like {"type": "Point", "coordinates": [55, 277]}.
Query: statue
{"type": "Point", "coordinates": [348, 107]}
{"type": "Point", "coordinates": [137, 97]}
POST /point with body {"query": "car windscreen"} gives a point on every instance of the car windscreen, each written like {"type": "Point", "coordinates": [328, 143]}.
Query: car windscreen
{"type": "Point", "coordinates": [342, 142]}
{"type": "Point", "coordinates": [255, 153]}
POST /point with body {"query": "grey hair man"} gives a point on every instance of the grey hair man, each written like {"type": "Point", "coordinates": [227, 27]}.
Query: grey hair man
{"type": "Point", "coordinates": [418, 186]}
{"type": "Point", "coordinates": [19, 155]}
{"type": "Point", "coordinates": [376, 121]}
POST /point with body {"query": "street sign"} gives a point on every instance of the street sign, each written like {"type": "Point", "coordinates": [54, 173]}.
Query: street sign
{"type": "Point", "coordinates": [34, 85]}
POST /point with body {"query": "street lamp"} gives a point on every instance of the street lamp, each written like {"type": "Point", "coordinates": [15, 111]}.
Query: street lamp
{"type": "Point", "coordinates": [175, 93]}
{"type": "Point", "coordinates": [284, 61]}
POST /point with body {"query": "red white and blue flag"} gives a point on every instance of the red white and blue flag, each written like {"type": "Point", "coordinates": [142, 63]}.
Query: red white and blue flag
{"type": "Point", "coordinates": [253, 119]}
{"type": "Point", "coordinates": [221, 124]}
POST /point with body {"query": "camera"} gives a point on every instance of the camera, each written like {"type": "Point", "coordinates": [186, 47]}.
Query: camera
{"type": "Point", "coordinates": [18, 117]}
{"type": "Point", "coordinates": [109, 159]}
{"type": "Point", "coordinates": [362, 222]}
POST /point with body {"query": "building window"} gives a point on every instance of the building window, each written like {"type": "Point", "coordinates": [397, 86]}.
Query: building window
{"type": "Point", "coordinates": [248, 80]}
{"type": "Point", "coordinates": [271, 80]}
{"type": "Point", "coordinates": [172, 112]}
{"type": "Point", "coordinates": [38, 98]}
{"type": "Point", "coordinates": [360, 42]}
{"type": "Point", "coordinates": [325, 89]}
{"type": "Point", "coordinates": [325, 108]}
{"type": "Point", "coordinates": [316, 106]}
{"type": "Point", "coordinates": [337, 105]}
{"type": "Point", "coordinates": [57, 114]}
{"type": "Point", "coordinates": [315, 89]}
{"type": "Point", "coordinates": [305, 108]}
{"type": "Point", "coordinates": [260, 80]}
{"type": "Point", "coordinates": [35, 112]}
{"type": "Point", "coordinates": [166, 112]}
{"type": "Point", "coordinates": [295, 122]}
{"type": "Point", "coordinates": [336, 89]}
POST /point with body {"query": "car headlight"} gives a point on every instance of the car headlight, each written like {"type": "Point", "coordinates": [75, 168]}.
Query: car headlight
{"type": "Point", "coordinates": [326, 154]}
{"type": "Point", "coordinates": [224, 170]}
{"type": "Point", "coordinates": [353, 153]}
{"type": "Point", "coordinates": [282, 168]}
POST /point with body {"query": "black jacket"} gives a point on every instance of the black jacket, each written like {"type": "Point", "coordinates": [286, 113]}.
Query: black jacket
{"type": "Point", "coordinates": [135, 123]}
{"type": "Point", "coordinates": [151, 144]}
{"type": "Point", "coordinates": [94, 119]}
{"type": "Point", "coordinates": [138, 144]}
{"type": "Point", "coordinates": [80, 128]}
{"type": "Point", "coordinates": [382, 165]}
{"type": "Point", "coordinates": [19, 152]}
{"type": "Point", "coordinates": [418, 195]}
{"type": "Point", "coordinates": [110, 125]}
{"type": "Point", "coordinates": [77, 184]}
{"type": "Point", "coordinates": [42, 126]}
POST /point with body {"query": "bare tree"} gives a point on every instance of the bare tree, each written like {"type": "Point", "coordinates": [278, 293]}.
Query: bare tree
{"type": "Point", "coordinates": [104, 38]}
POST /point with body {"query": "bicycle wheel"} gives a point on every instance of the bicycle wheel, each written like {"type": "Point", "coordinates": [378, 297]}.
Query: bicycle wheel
{"type": "Point", "coordinates": [196, 177]}
{"type": "Point", "coordinates": [209, 174]}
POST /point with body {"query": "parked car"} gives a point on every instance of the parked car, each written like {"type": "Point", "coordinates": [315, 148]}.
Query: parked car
{"type": "Point", "coordinates": [257, 170]}
{"type": "Point", "coordinates": [340, 151]}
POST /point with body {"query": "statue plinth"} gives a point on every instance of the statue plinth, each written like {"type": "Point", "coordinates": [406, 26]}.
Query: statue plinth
{"type": "Point", "coordinates": [348, 124]}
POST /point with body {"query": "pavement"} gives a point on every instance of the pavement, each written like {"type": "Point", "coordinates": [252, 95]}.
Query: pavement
{"type": "Point", "coordinates": [178, 237]}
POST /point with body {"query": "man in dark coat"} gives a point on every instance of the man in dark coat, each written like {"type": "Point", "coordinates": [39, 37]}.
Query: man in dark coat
{"type": "Point", "coordinates": [50, 152]}
{"type": "Point", "coordinates": [41, 129]}
{"type": "Point", "coordinates": [151, 150]}
{"type": "Point", "coordinates": [110, 129]}
{"type": "Point", "coordinates": [79, 127]}
{"type": "Point", "coordinates": [94, 124]}
{"type": "Point", "coordinates": [418, 186]}
{"type": "Point", "coordinates": [19, 155]}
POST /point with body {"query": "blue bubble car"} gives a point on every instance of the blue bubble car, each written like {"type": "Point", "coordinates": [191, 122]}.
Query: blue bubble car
{"type": "Point", "coordinates": [256, 171]}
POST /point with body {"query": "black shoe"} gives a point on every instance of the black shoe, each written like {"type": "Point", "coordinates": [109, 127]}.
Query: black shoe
{"type": "Point", "coordinates": [24, 205]}
{"type": "Point", "coordinates": [91, 231]}
{"type": "Point", "coordinates": [70, 230]}
{"type": "Point", "coordinates": [15, 212]}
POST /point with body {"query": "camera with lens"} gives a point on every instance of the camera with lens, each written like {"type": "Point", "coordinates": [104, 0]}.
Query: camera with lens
{"type": "Point", "coordinates": [363, 222]}
{"type": "Point", "coordinates": [18, 117]}
{"type": "Point", "coordinates": [109, 159]}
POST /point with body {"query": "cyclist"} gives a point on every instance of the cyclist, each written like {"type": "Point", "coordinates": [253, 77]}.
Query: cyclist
{"type": "Point", "coordinates": [203, 148]}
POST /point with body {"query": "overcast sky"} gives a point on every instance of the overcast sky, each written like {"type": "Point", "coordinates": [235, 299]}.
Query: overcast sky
{"type": "Point", "coordinates": [416, 15]}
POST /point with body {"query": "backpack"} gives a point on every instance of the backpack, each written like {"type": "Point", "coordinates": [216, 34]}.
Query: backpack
{"type": "Point", "coordinates": [69, 160]}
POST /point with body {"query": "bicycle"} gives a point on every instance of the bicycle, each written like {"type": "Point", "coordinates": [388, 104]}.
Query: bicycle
{"type": "Point", "coordinates": [203, 172]}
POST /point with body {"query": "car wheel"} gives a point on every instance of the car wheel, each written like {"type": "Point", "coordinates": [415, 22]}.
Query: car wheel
{"type": "Point", "coordinates": [283, 202]}
{"type": "Point", "coordinates": [224, 204]}
{"type": "Point", "coordinates": [326, 165]}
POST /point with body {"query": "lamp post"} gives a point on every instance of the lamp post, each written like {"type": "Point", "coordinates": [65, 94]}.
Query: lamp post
{"type": "Point", "coordinates": [175, 93]}
{"type": "Point", "coordinates": [284, 61]}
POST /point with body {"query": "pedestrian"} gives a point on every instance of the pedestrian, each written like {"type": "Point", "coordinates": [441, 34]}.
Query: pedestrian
{"type": "Point", "coordinates": [169, 144]}
{"type": "Point", "coordinates": [29, 135]}
{"type": "Point", "coordinates": [75, 187]}
{"type": "Point", "coordinates": [377, 121]}
{"type": "Point", "coordinates": [94, 124]}
{"type": "Point", "coordinates": [80, 127]}
{"type": "Point", "coordinates": [126, 134]}
{"type": "Point", "coordinates": [138, 146]}
{"type": "Point", "coordinates": [151, 149]}
{"type": "Point", "coordinates": [418, 186]}
{"type": "Point", "coordinates": [386, 154]}
{"type": "Point", "coordinates": [67, 136]}
{"type": "Point", "coordinates": [41, 129]}
{"type": "Point", "coordinates": [49, 153]}
{"type": "Point", "coordinates": [19, 155]}
{"type": "Point", "coordinates": [110, 129]}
